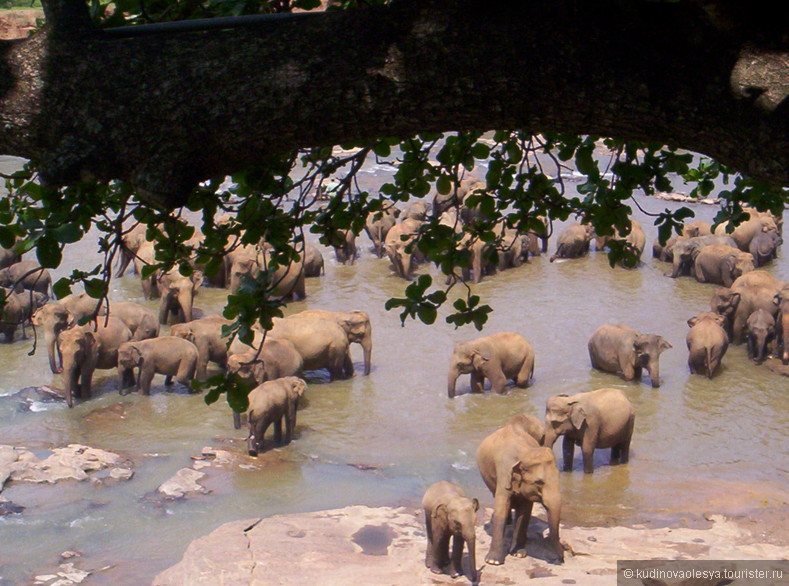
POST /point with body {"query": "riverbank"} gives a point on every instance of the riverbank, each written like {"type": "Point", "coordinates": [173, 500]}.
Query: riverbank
{"type": "Point", "coordinates": [387, 546]}
{"type": "Point", "coordinates": [17, 24]}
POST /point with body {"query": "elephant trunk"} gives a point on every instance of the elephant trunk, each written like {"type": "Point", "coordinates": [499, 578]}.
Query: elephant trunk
{"type": "Point", "coordinates": [72, 380]}
{"type": "Point", "coordinates": [185, 301]}
{"type": "Point", "coordinates": [470, 538]}
{"type": "Point", "coordinates": [785, 336]}
{"type": "Point", "coordinates": [164, 308]}
{"type": "Point", "coordinates": [451, 381]}
{"type": "Point", "coordinates": [50, 337]}
{"type": "Point", "coordinates": [653, 368]}
{"type": "Point", "coordinates": [367, 346]}
{"type": "Point", "coordinates": [550, 436]}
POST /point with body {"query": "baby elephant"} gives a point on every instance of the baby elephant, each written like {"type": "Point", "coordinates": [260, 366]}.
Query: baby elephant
{"type": "Point", "coordinates": [167, 355]}
{"type": "Point", "coordinates": [707, 342]}
{"type": "Point", "coordinates": [620, 348]}
{"type": "Point", "coordinates": [595, 420]}
{"type": "Point", "coordinates": [272, 402]}
{"type": "Point", "coordinates": [450, 513]}
{"type": "Point", "coordinates": [760, 328]}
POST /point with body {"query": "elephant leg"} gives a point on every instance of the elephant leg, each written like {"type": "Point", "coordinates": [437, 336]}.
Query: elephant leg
{"type": "Point", "coordinates": [568, 450]}
{"type": "Point", "coordinates": [85, 382]}
{"type": "Point", "coordinates": [587, 449]}
{"type": "Point", "coordinates": [501, 510]}
{"type": "Point", "coordinates": [624, 446]}
{"type": "Point", "coordinates": [348, 365]}
{"type": "Point", "coordinates": [278, 430]}
{"type": "Point", "coordinates": [456, 565]}
{"type": "Point", "coordinates": [615, 454]}
{"type": "Point", "coordinates": [522, 518]}
{"type": "Point", "coordinates": [636, 373]}
{"type": "Point", "coordinates": [525, 373]}
{"type": "Point", "coordinates": [498, 381]}
{"type": "Point", "coordinates": [290, 423]}
{"type": "Point", "coordinates": [146, 377]}
{"type": "Point", "coordinates": [552, 502]}
{"type": "Point", "coordinates": [430, 554]}
{"type": "Point", "coordinates": [477, 381]}
{"type": "Point", "coordinates": [186, 372]}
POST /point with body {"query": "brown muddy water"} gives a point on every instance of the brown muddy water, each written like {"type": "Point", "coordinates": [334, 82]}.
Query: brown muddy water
{"type": "Point", "coordinates": [699, 445]}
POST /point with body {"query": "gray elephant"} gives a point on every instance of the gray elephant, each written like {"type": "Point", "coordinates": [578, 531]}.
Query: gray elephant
{"type": "Point", "coordinates": [321, 342]}
{"type": "Point", "coordinates": [131, 241]}
{"type": "Point", "coordinates": [285, 281]}
{"type": "Point", "coordinates": [764, 247]}
{"type": "Point", "coordinates": [313, 261]}
{"type": "Point", "coordinates": [17, 310]}
{"type": "Point", "coordinates": [142, 322]}
{"type": "Point", "coordinates": [345, 247]}
{"type": "Point", "coordinates": [594, 420]}
{"type": "Point", "coordinates": [686, 250]}
{"type": "Point", "coordinates": [664, 252]}
{"type": "Point", "coordinates": [206, 334]}
{"type": "Point", "coordinates": [519, 472]}
{"type": "Point", "coordinates": [707, 343]}
{"type": "Point", "coordinates": [450, 515]}
{"type": "Point", "coordinates": [498, 357]}
{"type": "Point", "coordinates": [754, 290]}
{"type": "Point", "coordinates": [276, 358]}
{"type": "Point", "coordinates": [86, 348]}
{"type": "Point", "coordinates": [177, 293]}
{"type": "Point", "coordinates": [621, 349]}
{"type": "Point", "coordinates": [573, 242]}
{"type": "Point", "coordinates": [27, 273]}
{"type": "Point", "coordinates": [146, 256]}
{"type": "Point", "coordinates": [746, 231]}
{"type": "Point", "coordinates": [272, 402]}
{"type": "Point", "coordinates": [760, 327]}
{"type": "Point", "coordinates": [418, 210]}
{"type": "Point", "coordinates": [400, 247]}
{"type": "Point", "coordinates": [378, 225]}
{"type": "Point", "coordinates": [721, 264]}
{"type": "Point", "coordinates": [456, 197]}
{"type": "Point", "coordinates": [782, 322]}
{"type": "Point", "coordinates": [8, 257]}
{"type": "Point", "coordinates": [167, 355]}
{"type": "Point", "coordinates": [355, 324]}
{"type": "Point", "coordinates": [635, 239]}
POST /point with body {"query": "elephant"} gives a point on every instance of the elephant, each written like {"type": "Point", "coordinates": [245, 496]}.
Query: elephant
{"type": "Point", "coordinates": [142, 322]}
{"type": "Point", "coordinates": [782, 322]}
{"type": "Point", "coordinates": [635, 238]}
{"type": "Point", "coordinates": [573, 242]}
{"type": "Point", "coordinates": [8, 257]}
{"type": "Point", "coordinates": [277, 358]}
{"type": "Point", "coordinates": [177, 293]}
{"type": "Point", "coordinates": [531, 425]}
{"type": "Point", "coordinates": [400, 247]}
{"type": "Point", "coordinates": [417, 210]}
{"type": "Point", "coordinates": [271, 402]}
{"type": "Point", "coordinates": [686, 250]}
{"type": "Point", "coordinates": [345, 248]}
{"type": "Point", "coordinates": [17, 310]}
{"type": "Point", "coordinates": [721, 264]}
{"type": "Point", "coordinates": [498, 357]}
{"type": "Point", "coordinates": [313, 261]}
{"type": "Point", "coordinates": [621, 349]}
{"type": "Point", "coordinates": [450, 514]}
{"type": "Point", "coordinates": [146, 256]}
{"type": "Point", "coordinates": [378, 225]}
{"type": "Point", "coordinates": [355, 324]}
{"type": "Point", "coordinates": [513, 249]}
{"type": "Point", "coordinates": [760, 327]}
{"type": "Point", "coordinates": [56, 316]}
{"type": "Point", "coordinates": [593, 420]}
{"type": "Point", "coordinates": [754, 290]}
{"type": "Point", "coordinates": [284, 281]}
{"type": "Point", "coordinates": [86, 348]}
{"type": "Point", "coordinates": [456, 197]}
{"type": "Point", "coordinates": [167, 355]}
{"type": "Point", "coordinates": [707, 343]}
{"type": "Point", "coordinates": [519, 472]}
{"type": "Point", "coordinates": [764, 247]}
{"type": "Point", "coordinates": [206, 334]}
{"type": "Point", "coordinates": [321, 342]}
{"type": "Point", "coordinates": [481, 262]}
{"type": "Point", "coordinates": [131, 241]}
{"type": "Point", "coordinates": [664, 252]}
{"type": "Point", "coordinates": [697, 228]}
{"type": "Point", "coordinates": [747, 230]}
{"type": "Point", "coordinates": [29, 274]}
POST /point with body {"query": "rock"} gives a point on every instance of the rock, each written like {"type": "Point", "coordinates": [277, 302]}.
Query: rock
{"type": "Point", "coordinates": [29, 396]}
{"type": "Point", "coordinates": [9, 508]}
{"type": "Point", "coordinates": [184, 481]}
{"type": "Point", "coordinates": [121, 473]}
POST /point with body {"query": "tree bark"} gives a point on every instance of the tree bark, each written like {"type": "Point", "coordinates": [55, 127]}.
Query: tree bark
{"type": "Point", "coordinates": [166, 111]}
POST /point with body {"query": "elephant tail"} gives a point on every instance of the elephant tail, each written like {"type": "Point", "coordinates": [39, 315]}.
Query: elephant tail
{"type": "Point", "coordinates": [709, 363]}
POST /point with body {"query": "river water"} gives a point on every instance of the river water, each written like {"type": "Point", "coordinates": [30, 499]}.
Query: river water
{"type": "Point", "coordinates": [699, 445]}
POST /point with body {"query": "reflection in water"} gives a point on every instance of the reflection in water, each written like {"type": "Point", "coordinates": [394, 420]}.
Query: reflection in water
{"type": "Point", "coordinates": [382, 439]}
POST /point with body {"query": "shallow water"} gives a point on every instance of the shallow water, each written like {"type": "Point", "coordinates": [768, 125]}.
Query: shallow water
{"type": "Point", "coordinates": [699, 444]}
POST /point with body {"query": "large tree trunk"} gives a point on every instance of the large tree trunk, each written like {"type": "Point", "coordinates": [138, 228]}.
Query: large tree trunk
{"type": "Point", "coordinates": [168, 110]}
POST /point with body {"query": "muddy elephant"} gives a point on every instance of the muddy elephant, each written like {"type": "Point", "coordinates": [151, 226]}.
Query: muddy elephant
{"type": "Point", "coordinates": [764, 247]}
{"type": "Point", "coordinates": [142, 322]}
{"type": "Point", "coordinates": [498, 357]}
{"type": "Point", "coordinates": [745, 232]}
{"type": "Point", "coordinates": [272, 402]}
{"type": "Point", "coordinates": [697, 228]}
{"type": "Point", "coordinates": [356, 325]}
{"type": "Point", "coordinates": [30, 275]}
{"type": "Point", "coordinates": [450, 515]}
{"type": "Point", "coordinates": [721, 264]}
{"type": "Point", "coordinates": [56, 316]}
{"type": "Point", "coordinates": [176, 295]}
{"type": "Point", "coordinates": [481, 254]}
{"type": "Point", "coordinates": [400, 247]}
{"type": "Point", "coordinates": [519, 472]}
{"type": "Point", "coordinates": [321, 342]}
{"type": "Point", "coordinates": [313, 261]}
{"type": "Point", "coordinates": [752, 291]}
{"type": "Point", "coordinates": [8, 257]}
{"type": "Point", "coordinates": [206, 334]}
{"type": "Point", "coordinates": [86, 348]}
{"type": "Point", "coordinates": [277, 358]}
{"type": "Point", "coordinates": [573, 242]}
{"type": "Point", "coordinates": [17, 310]}
{"type": "Point", "coordinates": [378, 225]}
{"type": "Point", "coordinates": [167, 355]}
{"type": "Point", "coordinates": [594, 420]}
{"type": "Point", "coordinates": [685, 251]}
{"type": "Point", "coordinates": [621, 349]}
{"type": "Point", "coordinates": [707, 343]}
{"type": "Point", "coordinates": [284, 281]}
{"type": "Point", "coordinates": [512, 249]}
{"type": "Point", "coordinates": [760, 331]}
{"type": "Point", "coordinates": [345, 247]}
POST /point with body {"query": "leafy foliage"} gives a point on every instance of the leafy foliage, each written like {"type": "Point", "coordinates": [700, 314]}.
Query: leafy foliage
{"type": "Point", "coordinates": [274, 202]}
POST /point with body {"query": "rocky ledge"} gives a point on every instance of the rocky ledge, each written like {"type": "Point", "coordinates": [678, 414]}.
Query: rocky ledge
{"type": "Point", "coordinates": [387, 546]}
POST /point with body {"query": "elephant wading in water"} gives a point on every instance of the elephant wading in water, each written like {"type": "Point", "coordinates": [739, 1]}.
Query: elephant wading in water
{"type": "Point", "coordinates": [17, 310]}
{"type": "Point", "coordinates": [450, 514]}
{"type": "Point", "coordinates": [707, 343]}
{"type": "Point", "coordinates": [519, 472]}
{"type": "Point", "coordinates": [573, 242]}
{"type": "Point", "coordinates": [321, 342]}
{"type": "Point", "coordinates": [498, 357]}
{"type": "Point", "coordinates": [755, 290]}
{"type": "Point", "coordinates": [400, 247]}
{"type": "Point", "coordinates": [86, 348]}
{"type": "Point", "coordinates": [270, 403]}
{"type": "Point", "coordinates": [721, 264]}
{"type": "Point", "coordinates": [177, 294]}
{"type": "Point", "coordinates": [621, 349]}
{"type": "Point", "coordinates": [379, 224]}
{"type": "Point", "coordinates": [206, 334]}
{"type": "Point", "coordinates": [595, 420]}
{"type": "Point", "coordinates": [167, 355]}
{"type": "Point", "coordinates": [761, 331]}
{"type": "Point", "coordinates": [355, 323]}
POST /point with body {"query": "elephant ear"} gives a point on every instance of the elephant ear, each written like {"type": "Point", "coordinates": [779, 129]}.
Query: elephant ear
{"type": "Point", "coordinates": [439, 511]}
{"type": "Point", "coordinates": [577, 414]}
{"type": "Point", "coordinates": [478, 359]}
{"type": "Point", "coordinates": [664, 344]}
{"type": "Point", "coordinates": [475, 504]}
{"type": "Point", "coordinates": [693, 321]}
{"type": "Point", "coordinates": [258, 369]}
